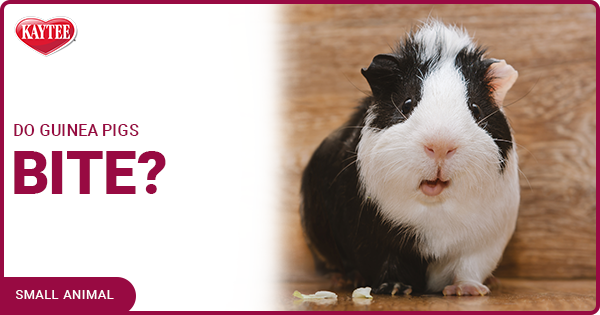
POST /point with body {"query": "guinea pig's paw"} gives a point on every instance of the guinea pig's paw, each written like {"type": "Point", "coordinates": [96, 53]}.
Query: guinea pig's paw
{"type": "Point", "coordinates": [393, 288]}
{"type": "Point", "coordinates": [466, 288]}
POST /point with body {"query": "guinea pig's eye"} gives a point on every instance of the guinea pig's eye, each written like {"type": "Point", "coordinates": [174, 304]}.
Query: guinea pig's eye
{"type": "Point", "coordinates": [477, 112]}
{"type": "Point", "coordinates": [407, 107]}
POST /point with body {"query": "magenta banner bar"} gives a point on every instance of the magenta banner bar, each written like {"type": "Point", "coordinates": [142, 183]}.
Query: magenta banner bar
{"type": "Point", "coordinates": [84, 295]}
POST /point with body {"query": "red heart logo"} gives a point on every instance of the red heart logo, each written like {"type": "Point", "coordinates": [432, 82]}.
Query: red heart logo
{"type": "Point", "coordinates": [46, 37]}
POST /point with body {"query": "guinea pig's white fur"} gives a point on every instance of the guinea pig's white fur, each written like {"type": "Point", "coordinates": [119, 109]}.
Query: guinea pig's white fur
{"type": "Point", "coordinates": [468, 225]}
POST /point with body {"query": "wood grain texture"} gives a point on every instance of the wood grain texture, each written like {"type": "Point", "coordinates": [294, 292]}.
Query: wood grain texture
{"type": "Point", "coordinates": [552, 111]}
{"type": "Point", "coordinates": [512, 295]}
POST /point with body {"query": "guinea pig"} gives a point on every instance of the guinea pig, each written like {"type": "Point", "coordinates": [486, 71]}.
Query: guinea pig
{"type": "Point", "coordinates": [419, 191]}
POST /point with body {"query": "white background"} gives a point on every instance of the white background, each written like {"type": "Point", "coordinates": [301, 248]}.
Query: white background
{"type": "Point", "coordinates": [199, 81]}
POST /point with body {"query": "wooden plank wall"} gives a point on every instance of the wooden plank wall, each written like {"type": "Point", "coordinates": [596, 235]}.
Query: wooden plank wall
{"type": "Point", "coordinates": [554, 114]}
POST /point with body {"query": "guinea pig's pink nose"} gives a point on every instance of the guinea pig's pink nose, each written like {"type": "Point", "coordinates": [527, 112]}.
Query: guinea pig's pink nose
{"type": "Point", "coordinates": [440, 150]}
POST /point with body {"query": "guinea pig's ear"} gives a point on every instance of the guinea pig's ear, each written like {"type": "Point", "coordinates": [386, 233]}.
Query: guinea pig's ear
{"type": "Point", "coordinates": [503, 76]}
{"type": "Point", "coordinates": [381, 74]}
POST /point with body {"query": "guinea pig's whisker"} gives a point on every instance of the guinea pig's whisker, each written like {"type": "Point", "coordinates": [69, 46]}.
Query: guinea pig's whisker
{"type": "Point", "coordinates": [392, 98]}
{"type": "Point", "coordinates": [503, 140]}
{"type": "Point", "coordinates": [486, 117]}
{"type": "Point", "coordinates": [385, 152]}
{"type": "Point", "coordinates": [527, 179]}
{"type": "Point", "coordinates": [350, 157]}
{"type": "Point", "coordinates": [503, 106]}
{"type": "Point", "coordinates": [356, 87]}
{"type": "Point", "coordinates": [488, 175]}
{"type": "Point", "coordinates": [338, 174]}
{"type": "Point", "coordinates": [520, 146]}
{"type": "Point", "coordinates": [361, 127]}
{"type": "Point", "coordinates": [522, 97]}
{"type": "Point", "coordinates": [393, 165]}
{"type": "Point", "coordinates": [393, 168]}
{"type": "Point", "coordinates": [483, 171]}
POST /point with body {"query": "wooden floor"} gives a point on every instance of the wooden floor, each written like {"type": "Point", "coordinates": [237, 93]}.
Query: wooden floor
{"type": "Point", "coordinates": [512, 295]}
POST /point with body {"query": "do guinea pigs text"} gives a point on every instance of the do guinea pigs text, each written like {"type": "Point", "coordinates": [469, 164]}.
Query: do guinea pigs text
{"type": "Point", "coordinates": [77, 130]}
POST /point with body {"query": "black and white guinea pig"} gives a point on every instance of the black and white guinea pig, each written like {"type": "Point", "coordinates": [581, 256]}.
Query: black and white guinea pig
{"type": "Point", "coordinates": [419, 190]}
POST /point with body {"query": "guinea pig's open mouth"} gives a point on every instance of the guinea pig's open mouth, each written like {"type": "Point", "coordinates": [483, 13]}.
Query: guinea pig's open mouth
{"type": "Point", "coordinates": [433, 187]}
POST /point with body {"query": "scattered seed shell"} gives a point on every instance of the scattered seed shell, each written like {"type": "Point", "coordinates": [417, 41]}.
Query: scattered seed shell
{"type": "Point", "coordinates": [319, 295]}
{"type": "Point", "coordinates": [362, 293]}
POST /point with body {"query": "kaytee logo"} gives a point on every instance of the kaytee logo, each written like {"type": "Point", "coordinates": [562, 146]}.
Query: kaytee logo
{"type": "Point", "coordinates": [46, 37]}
